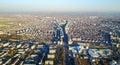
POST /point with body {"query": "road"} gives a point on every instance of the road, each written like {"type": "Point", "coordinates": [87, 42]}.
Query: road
{"type": "Point", "coordinates": [65, 40]}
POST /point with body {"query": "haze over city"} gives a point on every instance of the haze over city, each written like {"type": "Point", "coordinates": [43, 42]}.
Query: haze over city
{"type": "Point", "coordinates": [59, 6]}
{"type": "Point", "coordinates": [59, 32]}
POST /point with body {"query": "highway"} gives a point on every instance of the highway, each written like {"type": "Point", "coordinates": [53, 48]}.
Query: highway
{"type": "Point", "coordinates": [65, 40]}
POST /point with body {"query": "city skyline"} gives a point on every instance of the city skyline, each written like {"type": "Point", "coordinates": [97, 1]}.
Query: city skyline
{"type": "Point", "coordinates": [59, 6]}
{"type": "Point", "coordinates": [59, 32]}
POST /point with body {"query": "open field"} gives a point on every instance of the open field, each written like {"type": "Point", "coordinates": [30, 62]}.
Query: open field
{"type": "Point", "coordinates": [7, 24]}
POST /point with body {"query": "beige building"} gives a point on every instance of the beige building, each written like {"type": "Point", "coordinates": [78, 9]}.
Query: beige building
{"type": "Point", "coordinates": [49, 62]}
{"type": "Point", "coordinates": [52, 51]}
{"type": "Point", "coordinates": [1, 32]}
{"type": "Point", "coordinates": [51, 56]}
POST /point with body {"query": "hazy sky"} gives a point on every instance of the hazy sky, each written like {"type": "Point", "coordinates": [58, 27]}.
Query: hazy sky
{"type": "Point", "coordinates": [60, 5]}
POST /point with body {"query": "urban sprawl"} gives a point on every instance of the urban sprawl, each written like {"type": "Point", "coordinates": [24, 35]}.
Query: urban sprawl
{"type": "Point", "coordinates": [32, 39]}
